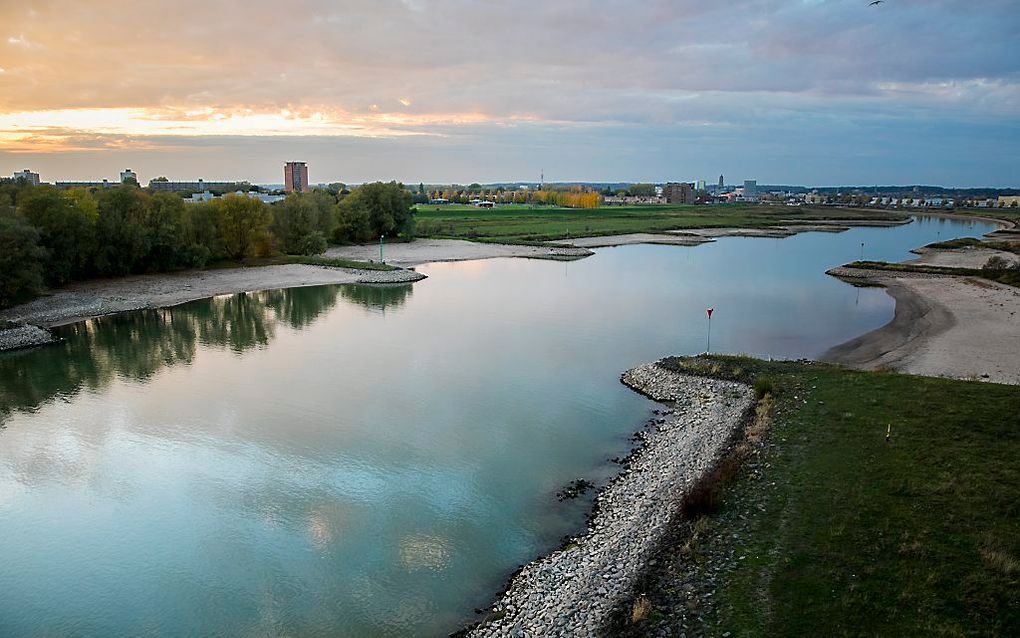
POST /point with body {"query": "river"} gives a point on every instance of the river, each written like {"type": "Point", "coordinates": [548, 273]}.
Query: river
{"type": "Point", "coordinates": [350, 461]}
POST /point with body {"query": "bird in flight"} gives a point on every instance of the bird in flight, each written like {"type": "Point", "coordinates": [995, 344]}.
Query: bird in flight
{"type": "Point", "coordinates": [874, 2]}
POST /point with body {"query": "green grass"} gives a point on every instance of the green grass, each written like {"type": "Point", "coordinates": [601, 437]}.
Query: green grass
{"type": "Point", "coordinates": [845, 534]}
{"type": "Point", "coordinates": [972, 242]}
{"type": "Point", "coordinates": [519, 224]}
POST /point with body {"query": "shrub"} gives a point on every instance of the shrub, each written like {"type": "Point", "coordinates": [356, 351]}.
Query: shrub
{"type": "Point", "coordinates": [763, 386]}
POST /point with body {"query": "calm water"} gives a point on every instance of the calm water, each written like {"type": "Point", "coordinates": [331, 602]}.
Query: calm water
{"type": "Point", "coordinates": [345, 461]}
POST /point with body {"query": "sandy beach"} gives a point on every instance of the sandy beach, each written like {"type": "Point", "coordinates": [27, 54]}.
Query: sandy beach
{"type": "Point", "coordinates": [957, 327]}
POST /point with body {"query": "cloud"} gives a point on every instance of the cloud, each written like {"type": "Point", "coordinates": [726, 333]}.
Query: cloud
{"type": "Point", "coordinates": [384, 69]}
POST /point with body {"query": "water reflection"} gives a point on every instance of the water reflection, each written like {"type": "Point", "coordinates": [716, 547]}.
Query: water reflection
{"type": "Point", "coordinates": [378, 297]}
{"type": "Point", "coordinates": [136, 345]}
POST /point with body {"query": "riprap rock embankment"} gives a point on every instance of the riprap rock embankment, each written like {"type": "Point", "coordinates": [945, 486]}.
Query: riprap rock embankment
{"type": "Point", "coordinates": [572, 591]}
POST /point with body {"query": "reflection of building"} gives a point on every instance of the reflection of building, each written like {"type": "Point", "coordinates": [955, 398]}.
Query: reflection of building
{"type": "Point", "coordinates": [295, 177]}
{"type": "Point", "coordinates": [128, 176]}
{"type": "Point", "coordinates": [678, 193]}
{"type": "Point", "coordinates": [28, 176]}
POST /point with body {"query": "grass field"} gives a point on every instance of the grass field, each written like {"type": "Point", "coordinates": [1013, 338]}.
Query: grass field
{"type": "Point", "coordinates": [835, 532]}
{"type": "Point", "coordinates": [513, 224]}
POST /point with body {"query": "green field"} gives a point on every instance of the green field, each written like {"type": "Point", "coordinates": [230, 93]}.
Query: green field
{"type": "Point", "coordinates": [519, 223]}
{"type": "Point", "coordinates": [833, 531]}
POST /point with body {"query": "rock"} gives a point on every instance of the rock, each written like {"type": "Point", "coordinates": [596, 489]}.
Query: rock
{"type": "Point", "coordinates": [571, 592]}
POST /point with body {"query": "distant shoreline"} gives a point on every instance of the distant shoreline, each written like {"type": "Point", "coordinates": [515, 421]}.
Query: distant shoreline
{"type": "Point", "coordinates": [85, 300]}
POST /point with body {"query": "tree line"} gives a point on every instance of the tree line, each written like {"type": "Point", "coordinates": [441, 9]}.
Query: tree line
{"type": "Point", "coordinates": [51, 237]}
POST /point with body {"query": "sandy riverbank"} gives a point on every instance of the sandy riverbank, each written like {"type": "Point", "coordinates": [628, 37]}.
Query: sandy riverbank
{"type": "Point", "coordinates": [106, 296]}
{"type": "Point", "coordinates": [969, 257]}
{"type": "Point", "coordinates": [944, 326]}
{"type": "Point", "coordinates": [572, 592]}
{"type": "Point", "coordinates": [423, 251]}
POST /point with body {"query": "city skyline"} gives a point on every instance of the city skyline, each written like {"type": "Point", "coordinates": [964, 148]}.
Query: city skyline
{"type": "Point", "coordinates": [813, 93]}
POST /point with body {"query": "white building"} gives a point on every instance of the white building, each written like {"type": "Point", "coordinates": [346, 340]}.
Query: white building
{"type": "Point", "coordinates": [198, 198]}
{"type": "Point", "coordinates": [28, 176]}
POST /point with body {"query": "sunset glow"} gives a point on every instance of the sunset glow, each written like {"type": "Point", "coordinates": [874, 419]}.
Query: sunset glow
{"type": "Point", "coordinates": [586, 89]}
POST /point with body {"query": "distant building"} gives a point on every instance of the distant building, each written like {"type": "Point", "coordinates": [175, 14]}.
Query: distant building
{"type": "Point", "coordinates": [28, 176]}
{"type": "Point", "coordinates": [722, 183]}
{"type": "Point", "coordinates": [750, 188]}
{"type": "Point", "coordinates": [198, 198]}
{"type": "Point", "coordinates": [128, 176]}
{"type": "Point", "coordinates": [93, 184]}
{"type": "Point", "coordinates": [678, 193]}
{"type": "Point", "coordinates": [632, 200]}
{"type": "Point", "coordinates": [162, 185]}
{"type": "Point", "coordinates": [295, 177]}
{"type": "Point", "coordinates": [699, 185]}
{"type": "Point", "coordinates": [207, 196]}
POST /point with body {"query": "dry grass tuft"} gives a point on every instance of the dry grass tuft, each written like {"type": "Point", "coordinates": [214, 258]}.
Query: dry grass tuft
{"type": "Point", "coordinates": [642, 607]}
{"type": "Point", "coordinates": [999, 559]}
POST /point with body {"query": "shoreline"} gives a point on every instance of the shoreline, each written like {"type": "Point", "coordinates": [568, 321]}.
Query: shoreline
{"type": "Point", "coordinates": [944, 326]}
{"type": "Point", "coordinates": [86, 300]}
{"type": "Point", "coordinates": [574, 590]}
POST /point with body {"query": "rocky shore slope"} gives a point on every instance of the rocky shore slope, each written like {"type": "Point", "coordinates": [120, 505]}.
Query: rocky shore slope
{"type": "Point", "coordinates": [572, 591]}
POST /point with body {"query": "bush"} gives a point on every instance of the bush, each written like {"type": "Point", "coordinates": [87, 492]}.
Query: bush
{"type": "Point", "coordinates": [763, 386]}
{"type": "Point", "coordinates": [313, 243]}
{"type": "Point", "coordinates": [996, 263]}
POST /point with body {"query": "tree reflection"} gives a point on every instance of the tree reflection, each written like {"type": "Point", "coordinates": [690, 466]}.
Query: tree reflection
{"type": "Point", "coordinates": [136, 345]}
{"type": "Point", "coordinates": [378, 297]}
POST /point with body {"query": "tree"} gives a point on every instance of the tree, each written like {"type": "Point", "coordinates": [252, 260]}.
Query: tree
{"type": "Point", "coordinates": [122, 234]}
{"type": "Point", "coordinates": [642, 190]}
{"type": "Point", "coordinates": [171, 239]}
{"type": "Point", "coordinates": [376, 209]}
{"type": "Point", "coordinates": [21, 260]}
{"type": "Point", "coordinates": [66, 225]}
{"type": "Point", "coordinates": [302, 222]}
{"type": "Point", "coordinates": [243, 224]}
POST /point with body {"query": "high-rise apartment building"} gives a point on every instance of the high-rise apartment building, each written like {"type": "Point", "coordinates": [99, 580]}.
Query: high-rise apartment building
{"type": "Point", "coordinates": [28, 176]}
{"type": "Point", "coordinates": [295, 177]}
{"type": "Point", "coordinates": [128, 176]}
{"type": "Point", "coordinates": [678, 193]}
{"type": "Point", "coordinates": [750, 188]}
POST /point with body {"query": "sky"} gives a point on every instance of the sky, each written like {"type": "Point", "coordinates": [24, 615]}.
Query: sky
{"type": "Point", "coordinates": [813, 92]}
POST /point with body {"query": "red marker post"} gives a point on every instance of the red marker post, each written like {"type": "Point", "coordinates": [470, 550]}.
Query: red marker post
{"type": "Point", "coordinates": [709, 312]}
